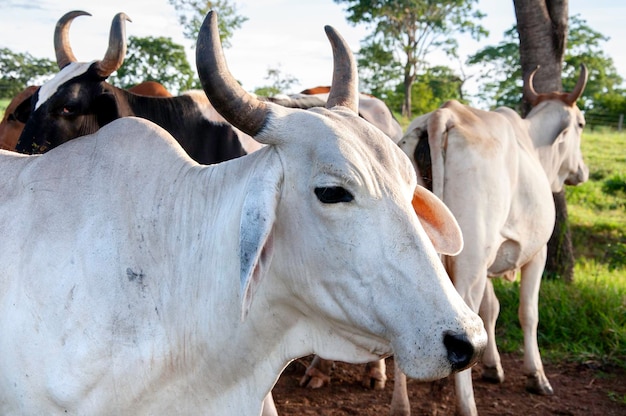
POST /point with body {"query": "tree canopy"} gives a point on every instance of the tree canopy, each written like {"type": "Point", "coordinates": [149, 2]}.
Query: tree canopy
{"type": "Point", "coordinates": [278, 83]}
{"type": "Point", "coordinates": [502, 77]}
{"type": "Point", "coordinates": [431, 89]}
{"type": "Point", "coordinates": [20, 70]}
{"type": "Point", "coordinates": [404, 32]}
{"type": "Point", "coordinates": [145, 62]}
{"type": "Point", "coordinates": [191, 14]}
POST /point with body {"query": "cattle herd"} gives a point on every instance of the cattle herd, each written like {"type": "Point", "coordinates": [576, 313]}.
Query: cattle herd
{"type": "Point", "coordinates": [172, 254]}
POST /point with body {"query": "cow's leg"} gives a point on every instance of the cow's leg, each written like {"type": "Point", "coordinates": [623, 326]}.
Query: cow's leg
{"type": "Point", "coordinates": [400, 405]}
{"type": "Point", "coordinates": [489, 310]}
{"type": "Point", "coordinates": [537, 381]}
{"type": "Point", "coordinates": [469, 280]}
{"type": "Point", "coordinates": [317, 373]}
{"type": "Point", "coordinates": [465, 403]}
{"type": "Point", "coordinates": [269, 408]}
{"type": "Point", "coordinates": [375, 375]}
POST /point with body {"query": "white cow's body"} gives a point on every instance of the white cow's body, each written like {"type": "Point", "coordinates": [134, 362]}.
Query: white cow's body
{"type": "Point", "coordinates": [496, 172]}
{"type": "Point", "coordinates": [136, 281]}
{"type": "Point", "coordinates": [123, 286]}
{"type": "Point", "coordinates": [110, 298]}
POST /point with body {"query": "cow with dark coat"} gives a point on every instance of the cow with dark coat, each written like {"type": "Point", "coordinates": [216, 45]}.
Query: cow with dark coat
{"type": "Point", "coordinates": [78, 101]}
{"type": "Point", "coordinates": [18, 111]}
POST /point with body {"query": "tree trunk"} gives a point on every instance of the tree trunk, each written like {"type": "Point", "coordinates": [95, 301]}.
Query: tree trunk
{"type": "Point", "coordinates": [406, 105]}
{"type": "Point", "coordinates": [560, 261]}
{"type": "Point", "coordinates": [542, 29]}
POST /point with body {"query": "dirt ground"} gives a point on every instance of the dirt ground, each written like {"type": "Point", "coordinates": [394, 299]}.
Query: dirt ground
{"type": "Point", "coordinates": [579, 390]}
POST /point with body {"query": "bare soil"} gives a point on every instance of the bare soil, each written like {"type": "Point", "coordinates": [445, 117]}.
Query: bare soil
{"type": "Point", "coordinates": [579, 390]}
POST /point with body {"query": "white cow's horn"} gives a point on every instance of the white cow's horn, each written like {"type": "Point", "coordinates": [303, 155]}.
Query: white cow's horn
{"type": "Point", "coordinates": [529, 90]}
{"type": "Point", "coordinates": [241, 109]}
{"type": "Point", "coordinates": [116, 51]}
{"type": "Point", "coordinates": [62, 47]}
{"type": "Point", "coordinates": [580, 86]}
{"type": "Point", "coordinates": [345, 87]}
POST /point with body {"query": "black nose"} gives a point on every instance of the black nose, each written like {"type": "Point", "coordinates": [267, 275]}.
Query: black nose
{"type": "Point", "coordinates": [460, 350]}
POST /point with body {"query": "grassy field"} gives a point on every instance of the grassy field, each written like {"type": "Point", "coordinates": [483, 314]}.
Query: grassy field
{"type": "Point", "coordinates": [3, 105]}
{"type": "Point", "coordinates": [586, 320]}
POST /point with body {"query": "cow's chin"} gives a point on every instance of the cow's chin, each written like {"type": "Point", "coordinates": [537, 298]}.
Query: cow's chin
{"type": "Point", "coordinates": [423, 368]}
{"type": "Point", "coordinates": [351, 347]}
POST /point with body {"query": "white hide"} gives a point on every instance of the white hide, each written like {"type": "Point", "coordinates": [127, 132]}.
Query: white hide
{"type": "Point", "coordinates": [496, 172]}
{"type": "Point", "coordinates": [120, 291]}
{"type": "Point", "coordinates": [371, 109]}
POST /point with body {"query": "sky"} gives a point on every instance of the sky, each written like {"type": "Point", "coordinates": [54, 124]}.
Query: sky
{"type": "Point", "coordinates": [283, 34]}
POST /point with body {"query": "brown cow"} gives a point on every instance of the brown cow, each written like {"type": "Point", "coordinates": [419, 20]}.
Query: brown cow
{"type": "Point", "coordinates": [10, 126]}
{"type": "Point", "coordinates": [150, 89]}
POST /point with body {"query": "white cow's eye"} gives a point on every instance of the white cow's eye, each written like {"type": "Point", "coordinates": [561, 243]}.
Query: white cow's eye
{"type": "Point", "coordinates": [333, 194]}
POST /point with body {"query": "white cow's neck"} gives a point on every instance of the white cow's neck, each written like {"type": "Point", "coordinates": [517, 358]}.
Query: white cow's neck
{"type": "Point", "coordinates": [212, 196]}
{"type": "Point", "coordinates": [544, 126]}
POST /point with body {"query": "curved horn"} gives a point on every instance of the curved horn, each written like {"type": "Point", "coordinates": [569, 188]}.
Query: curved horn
{"type": "Point", "coordinates": [529, 90]}
{"type": "Point", "coordinates": [233, 103]}
{"type": "Point", "coordinates": [580, 86]}
{"type": "Point", "coordinates": [344, 90]}
{"type": "Point", "coordinates": [62, 47]}
{"type": "Point", "coordinates": [116, 52]}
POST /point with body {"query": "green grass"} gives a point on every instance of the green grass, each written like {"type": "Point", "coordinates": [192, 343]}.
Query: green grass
{"type": "Point", "coordinates": [597, 209]}
{"type": "Point", "coordinates": [585, 320]}
{"type": "Point", "coordinates": [3, 104]}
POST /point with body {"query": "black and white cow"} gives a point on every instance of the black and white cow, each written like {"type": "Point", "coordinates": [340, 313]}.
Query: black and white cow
{"type": "Point", "coordinates": [79, 101]}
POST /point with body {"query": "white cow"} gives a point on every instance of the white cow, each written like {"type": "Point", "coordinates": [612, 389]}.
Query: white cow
{"type": "Point", "coordinates": [136, 281]}
{"type": "Point", "coordinates": [371, 108]}
{"type": "Point", "coordinates": [497, 172]}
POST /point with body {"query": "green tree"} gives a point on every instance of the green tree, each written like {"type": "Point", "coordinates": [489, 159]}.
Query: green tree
{"type": "Point", "coordinates": [144, 62]}
{"type": "Point", "coordinates": [379, 72]}
{"type": "Point", "coordinates": [20, 70]}
{"type": "Point", "coordinates": [408, 30]}
{"type": "Point", "coordinates": [279, 83]}
{"type": "Point", "coordinates": [191, 14]}
{"type": "Point", "coordinates": [604, 99]}
{"type": "Point", "coordinates": [431, 90]}
{"type": "Point", "coordinates": [502, 76]}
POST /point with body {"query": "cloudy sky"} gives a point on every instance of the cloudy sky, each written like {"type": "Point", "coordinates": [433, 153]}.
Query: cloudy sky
{"type": "Point", "coordinates": [284, 34]}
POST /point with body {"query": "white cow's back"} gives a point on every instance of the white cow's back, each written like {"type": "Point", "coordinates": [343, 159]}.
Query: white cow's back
{"type": "Point", "coordinates": [78, 214]}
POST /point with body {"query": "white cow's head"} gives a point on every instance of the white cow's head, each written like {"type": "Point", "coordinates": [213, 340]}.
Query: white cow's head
{"type": "Point", "coordinates": [556, 128]}
{"type": "Point", "coordinates": [330, 231]}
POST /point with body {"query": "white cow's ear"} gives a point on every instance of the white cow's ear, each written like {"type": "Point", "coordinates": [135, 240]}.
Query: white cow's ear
{"type": "Point", "coordinates": [255, 232]}
{"type": "Point", "coordinates": [438, 222]}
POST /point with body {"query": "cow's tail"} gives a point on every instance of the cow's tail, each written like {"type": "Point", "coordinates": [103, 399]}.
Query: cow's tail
{"type": "Point", "coordinates": [415, 144]}
{"type": "Point", "coordinates": [438, 126]}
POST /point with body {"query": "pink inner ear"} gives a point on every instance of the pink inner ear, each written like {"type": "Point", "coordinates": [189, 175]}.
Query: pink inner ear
{"type": "Point", "coordinates": [438, 222]}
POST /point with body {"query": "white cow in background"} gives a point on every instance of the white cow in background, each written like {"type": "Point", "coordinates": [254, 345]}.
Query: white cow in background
{"type": "Point", "coordinates": [136, 281]}
{"type": "Point", "coordinates": [497, 172]}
